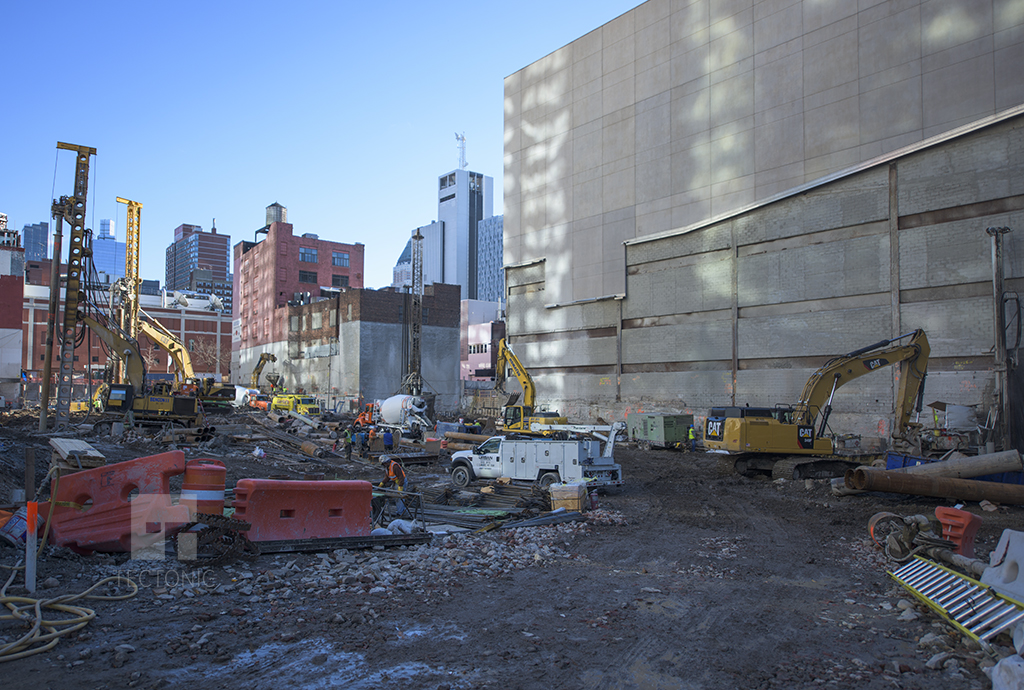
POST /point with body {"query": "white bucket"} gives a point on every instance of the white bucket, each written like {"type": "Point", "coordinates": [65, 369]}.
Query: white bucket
{"type": "Point", "coordinates": [14, 530]}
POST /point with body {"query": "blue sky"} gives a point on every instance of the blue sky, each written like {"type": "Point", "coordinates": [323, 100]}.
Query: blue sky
{"type": "Point", "coordinates": [345, 113]}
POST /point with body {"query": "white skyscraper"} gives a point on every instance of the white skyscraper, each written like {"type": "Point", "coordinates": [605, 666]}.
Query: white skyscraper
{"type": "Point", "coordinates": [464, 198]}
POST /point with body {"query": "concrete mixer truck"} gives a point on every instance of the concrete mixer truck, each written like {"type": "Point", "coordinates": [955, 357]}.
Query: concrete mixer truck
{"type": "Point", "coordinates": [402, 414]}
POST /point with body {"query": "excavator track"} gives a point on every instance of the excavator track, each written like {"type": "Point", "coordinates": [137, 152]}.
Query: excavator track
{"type": "Point", "coordinates": [826, 467]}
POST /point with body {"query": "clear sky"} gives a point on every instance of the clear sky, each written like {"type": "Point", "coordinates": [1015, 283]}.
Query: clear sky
{"type": "Point", "coordinates": [343, 112]}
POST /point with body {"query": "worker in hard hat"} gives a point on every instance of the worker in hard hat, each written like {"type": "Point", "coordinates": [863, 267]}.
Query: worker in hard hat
{"type": "Point", "coordinates": [395, 474]}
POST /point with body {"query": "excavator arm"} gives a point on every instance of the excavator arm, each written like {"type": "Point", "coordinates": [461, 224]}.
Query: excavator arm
{"type": "Point", "coordinates": [507, 358]}
{"type": "Point", "coordinates": [122, 348]}
{"type": "Point", "coordinates": [912, 357]}
{"type": "Point", "coordinates": [183, 371]}
{"type": "Point", "coordinates": [258, 369]}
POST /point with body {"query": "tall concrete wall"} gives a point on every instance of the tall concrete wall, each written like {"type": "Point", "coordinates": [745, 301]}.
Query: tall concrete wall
{"type": "Point", "coordinates": [680, 111]}
{"type": "Point", "coordinates": [744, 309]}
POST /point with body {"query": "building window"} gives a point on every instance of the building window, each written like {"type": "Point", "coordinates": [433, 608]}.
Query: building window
{"type": "Point", "coordinates": [317, 319]}
{"type": "Point", "coordinates": [339, 281]}
{"type": "Point", "coordinates": [295, 323]}
{"type": "Point", "coordinates": [307, 277]}
{"type": "Point", "coordinates": [307, 254]}
{"type": "Point", "coordinates": [339, 259]}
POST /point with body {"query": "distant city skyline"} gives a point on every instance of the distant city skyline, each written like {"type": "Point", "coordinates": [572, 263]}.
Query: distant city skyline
{"type": "Point", "coordinates": [320, 125]}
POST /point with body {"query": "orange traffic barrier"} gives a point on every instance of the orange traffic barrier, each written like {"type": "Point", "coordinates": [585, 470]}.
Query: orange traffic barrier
{"type": "Point", "coordinates": [118, 507]}
{"type": "Point", "coordinates": [280, 509]}
{"type": "Point", "coordinates": [202, 488]}
{"type": "Point", "coordinates": [959, 527]}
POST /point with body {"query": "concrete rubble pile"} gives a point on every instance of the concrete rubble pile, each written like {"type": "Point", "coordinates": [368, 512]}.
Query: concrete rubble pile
{"type": "Point", "coordinates": [378, 572]}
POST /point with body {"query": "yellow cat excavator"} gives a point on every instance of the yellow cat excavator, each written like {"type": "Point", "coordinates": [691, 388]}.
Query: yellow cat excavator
{"type": "Point", "coordinates": [758, 433]}
{"type": "Point", "coordinates": [258, 369]}
{"type": "Point", "coordinates": [519, 418]}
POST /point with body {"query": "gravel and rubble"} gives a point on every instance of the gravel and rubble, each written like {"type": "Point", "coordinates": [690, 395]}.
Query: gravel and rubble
{"type": "Point", "coordinates": [683, 578]}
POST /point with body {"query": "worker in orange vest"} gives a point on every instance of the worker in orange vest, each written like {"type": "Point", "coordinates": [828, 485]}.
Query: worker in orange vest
{"type": "Point", "coordinates": [395, 474]}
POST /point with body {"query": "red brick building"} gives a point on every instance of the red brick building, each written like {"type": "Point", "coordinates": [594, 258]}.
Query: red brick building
{"type": "Point", "coordinates": [283, 268]}
{"type": "Point", "coordinates": [207, 335]}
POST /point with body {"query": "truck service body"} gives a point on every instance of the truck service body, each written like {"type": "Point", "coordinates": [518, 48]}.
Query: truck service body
{"type": "Point", "coordinates": [538, 459]}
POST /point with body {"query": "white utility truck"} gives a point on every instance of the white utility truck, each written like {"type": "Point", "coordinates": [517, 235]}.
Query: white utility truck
{"type": "Point", "coordinates": [543, 460]}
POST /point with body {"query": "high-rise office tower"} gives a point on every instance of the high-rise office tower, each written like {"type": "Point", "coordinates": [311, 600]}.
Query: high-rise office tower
{"type": "Point", "coordinates": [35, 239]}
{"type": "Point", "coordinates": [108, 254]}
{"type": "Point", "coordinates": [464, 198]}
{"type": "Point", "coordinates": [490, 274]}
{"type": "Point", "coordinates": [194, 249]}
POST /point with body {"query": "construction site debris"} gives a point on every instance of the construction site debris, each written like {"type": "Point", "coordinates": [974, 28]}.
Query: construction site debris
{"type": "Point", "coordinates": [960, 467]}
{"type": "Point", "coordinates": [937, 487]}
{"type": "Point", "coordinates": [1005, 573]}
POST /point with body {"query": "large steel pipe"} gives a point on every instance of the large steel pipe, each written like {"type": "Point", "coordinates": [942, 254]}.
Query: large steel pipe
{"type": "Point", "coordinates": [936, 487]}
{"type": "Point", "coordinates": [960, 468]}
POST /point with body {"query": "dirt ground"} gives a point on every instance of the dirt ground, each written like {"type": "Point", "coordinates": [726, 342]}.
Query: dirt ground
{"type": "Point", "coordinates": [684, 578]}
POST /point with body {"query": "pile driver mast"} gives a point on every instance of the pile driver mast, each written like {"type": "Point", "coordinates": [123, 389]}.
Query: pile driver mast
{"type": "Point", "coordinates": [72, 209]}
{"type": "Point", "coordinates": [129, 312]}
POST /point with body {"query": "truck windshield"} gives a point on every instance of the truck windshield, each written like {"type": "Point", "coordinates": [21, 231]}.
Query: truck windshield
{"type": "Point", "coordinates": [307, 401]}
{"type": "Point", "coordinates": [489, 446]}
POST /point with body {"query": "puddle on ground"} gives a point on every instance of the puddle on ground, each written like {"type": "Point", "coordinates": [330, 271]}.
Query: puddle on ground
{"type": "Point", "coordinates": [444, 631]}
{"type": "Point", "coordinates": [314, 663]}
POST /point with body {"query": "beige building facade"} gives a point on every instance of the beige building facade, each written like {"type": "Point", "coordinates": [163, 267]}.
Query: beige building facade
{"type": "Point", "coordinates": [680, 111]}
{"type": "Point", "coordinates": [705, 200]}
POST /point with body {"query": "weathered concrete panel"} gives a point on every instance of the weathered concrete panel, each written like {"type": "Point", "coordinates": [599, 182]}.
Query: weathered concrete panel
{"type": "Point", "coordinates": [686, 342]}
{"type": "Point", "coordinates": [823, 333]}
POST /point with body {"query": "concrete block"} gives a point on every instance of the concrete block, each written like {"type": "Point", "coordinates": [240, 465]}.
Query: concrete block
{"type": "Point", "coordinates": [1005, 573]}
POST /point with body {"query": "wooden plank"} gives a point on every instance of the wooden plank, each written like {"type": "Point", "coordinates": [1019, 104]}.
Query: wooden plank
{"type": "Point", "coordinates": [66, 446]}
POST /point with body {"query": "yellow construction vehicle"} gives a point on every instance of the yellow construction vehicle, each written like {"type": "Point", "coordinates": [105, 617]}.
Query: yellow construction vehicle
{"type": "Point", "coordinates": [185, 379]}
{"type": "Point", "coordinates": [800, 429]}
{"type": "Point", "coordinates": [519, 418]}
{"type": "Point", "coordinates": [184, 374]}
{"type": "Point", "coordinates": [258, 369]}
{"type": "Point", "coordinates": [161, 405]}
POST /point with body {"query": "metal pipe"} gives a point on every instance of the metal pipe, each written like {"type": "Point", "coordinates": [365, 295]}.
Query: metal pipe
{"type": "Point", "coordinates": [936, 487]}
{"type": "Point", "coordinates": [960, 468]}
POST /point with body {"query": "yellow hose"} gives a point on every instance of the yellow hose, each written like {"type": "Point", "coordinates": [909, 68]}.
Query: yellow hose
{"type": "Point", "coordinates": [30, 610]}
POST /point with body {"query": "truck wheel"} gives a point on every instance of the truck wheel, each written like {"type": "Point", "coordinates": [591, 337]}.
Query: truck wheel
{"type": "Point", "coordinates": [461, 476]}
{"type": "Point", "coordinates": [547, 479]}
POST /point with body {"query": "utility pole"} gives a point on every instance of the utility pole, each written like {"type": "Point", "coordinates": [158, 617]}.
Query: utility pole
{"type": "Point", "coordinates": [413, 384]}
{"type": "Point", "coordinates": [1001, 430]}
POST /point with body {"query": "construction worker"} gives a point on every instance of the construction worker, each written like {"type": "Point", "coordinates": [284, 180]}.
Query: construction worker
{"type": "Point", "coordinates": [346, 438]}
{"type": "Point", "coordinates": [692, 435]}
{"type": "Point", "coordinates": [395, 474]}
{"type": "Point", "coordinates": [389, 441]}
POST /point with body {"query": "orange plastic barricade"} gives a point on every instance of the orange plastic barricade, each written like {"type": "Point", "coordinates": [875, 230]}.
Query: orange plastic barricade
{"type": "Point", "coordinates": [281, 509]}
{"type": "Point", "coordinates": [959, 527]}
{"type": "Point", "coordinates": [118, 507]}
{"type": "Point", "coordinates": [202, 488]}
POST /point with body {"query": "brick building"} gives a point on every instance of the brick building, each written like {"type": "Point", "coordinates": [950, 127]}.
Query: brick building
{"type": "Point", "coordinates": [206, 334]}
{"type": "Point", "coordinates": [12, 283]}
{"type": "Point", "coordinates": [283, 268]}
{"type": "Point", "coordinates": [356, 344]}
